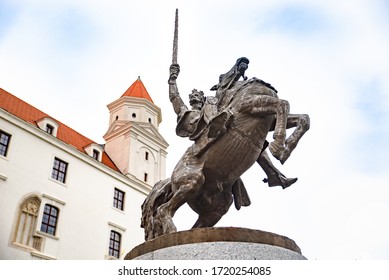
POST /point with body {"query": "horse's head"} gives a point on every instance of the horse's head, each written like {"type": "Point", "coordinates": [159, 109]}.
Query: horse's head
{"type": "Point", "coordinates": [228, 79]}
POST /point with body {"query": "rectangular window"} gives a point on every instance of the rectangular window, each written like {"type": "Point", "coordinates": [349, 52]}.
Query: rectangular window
{"type": "Point", "coordinates": [59, 170]}
{"type": "Point", "coordinates": [118, 199]}
{"type": "Point", "coordinates": [145, 177]}
{"type": "Point", "coordinates": [49, 129]}
{"type": "Point", "coordinates": [114, 244]}
{"type": "Point", "coordinates": [49, 219]}
{"type": "Point", "coordinates": [146, 156]}
{"type": "Point", "coordinates": [4, 143]}
{"type": "Point", "coordinates": [96, 154]}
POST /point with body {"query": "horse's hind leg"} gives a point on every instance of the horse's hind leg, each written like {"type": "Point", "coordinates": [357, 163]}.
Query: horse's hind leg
{"type": "Point", "coordinates": [185, 189]}
{"type": "Point", "coordinates": [208, 219]}
{"type": "Point", "coordinates": [214, 212]}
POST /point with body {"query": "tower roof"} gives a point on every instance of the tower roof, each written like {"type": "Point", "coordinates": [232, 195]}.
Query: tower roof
{"type": "Point", "coordinates": [137, 89]}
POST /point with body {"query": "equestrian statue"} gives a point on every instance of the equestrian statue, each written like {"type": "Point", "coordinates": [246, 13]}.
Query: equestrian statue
{"type": "Point", "coordinates": [229, 133]}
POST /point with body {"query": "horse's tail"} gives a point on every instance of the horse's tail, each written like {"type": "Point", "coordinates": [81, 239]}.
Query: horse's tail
{"type": "Point", "coordinates": [159, 194]}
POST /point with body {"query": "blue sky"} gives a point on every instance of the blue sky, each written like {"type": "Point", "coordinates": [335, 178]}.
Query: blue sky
{"type": "Point", "coordinates": [329, 59]}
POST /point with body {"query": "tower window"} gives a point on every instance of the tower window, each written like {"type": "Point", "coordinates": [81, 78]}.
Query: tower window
{"type": "Point", "coordinates": [146, 155]}
{"type": "Point", "coordinates": [134, 115]}
{"type": "Point", "coordinates": [116, 118]}
{"type": "Point", "coordinates": [149, 120]}
{"type": "Point", "coordinates": [145, 177]}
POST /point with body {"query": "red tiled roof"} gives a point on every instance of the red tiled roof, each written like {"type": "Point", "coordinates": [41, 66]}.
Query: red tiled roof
{"type": "Point", "coordinates": [30, 114]}
{"type": "Point", "coordinates": [137, 89]}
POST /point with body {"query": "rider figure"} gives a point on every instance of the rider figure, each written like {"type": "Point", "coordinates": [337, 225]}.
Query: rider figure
{"type": "Point", "coordinates": [204, 111]}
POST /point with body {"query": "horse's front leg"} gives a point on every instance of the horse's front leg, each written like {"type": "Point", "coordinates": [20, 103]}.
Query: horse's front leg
{"type": "Point", "coordinates": [264, 105]}
{"type": "Point", "coordinates": [277, 147]}
{"type": "Point", "coordinates": [302, 124]}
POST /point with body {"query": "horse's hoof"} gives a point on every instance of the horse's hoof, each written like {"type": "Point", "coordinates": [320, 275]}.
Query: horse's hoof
{"type": "Point", "coordinates": [284, 156]}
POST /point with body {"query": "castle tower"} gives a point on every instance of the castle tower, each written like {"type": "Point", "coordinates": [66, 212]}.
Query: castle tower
{"type": "Point", "coordinates": [132, 140]}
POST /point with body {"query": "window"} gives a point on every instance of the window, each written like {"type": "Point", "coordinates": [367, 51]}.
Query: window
{"type": "Point", "coordinates": [145, 177]}
{"type": "Point", "coordinates": [48, 125]}
{"type": "Point", "coordinates": [146, 155]}
{"type": "Point", "coordinates": [114, 244]}
{"type": "Point", "coordinates": [134, 115]}
{"type": "Point", "coordinates": [96, 154]}
{"type": "Point", "coordinates": [49, 219]}
{"type": "Point", "coordinates": [59, 170]}
{"type": "Point", "coordinates": [118, 199]}
{"type": "Point", "coordinates": [4, 143]}
{"type": "Point", "coordinates": [95, 151]}
{"type": "Point", "coordinates": [26, 223]}
{"type": "Point", "coordinates": [149, 120]}
{"type": "Point", "coordinates": [49, 129]}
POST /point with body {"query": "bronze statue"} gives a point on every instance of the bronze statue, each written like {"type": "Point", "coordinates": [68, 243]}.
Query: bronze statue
{"type": "Point", "coordinates": [229, 132]}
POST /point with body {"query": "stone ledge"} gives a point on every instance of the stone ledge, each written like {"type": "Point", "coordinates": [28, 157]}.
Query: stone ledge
{"type": "Point", "coordinates": [221, 234]}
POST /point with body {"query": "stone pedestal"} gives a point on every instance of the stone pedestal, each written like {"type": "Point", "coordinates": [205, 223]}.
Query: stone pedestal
{"type": "Point", "coordinates": [225, 243]}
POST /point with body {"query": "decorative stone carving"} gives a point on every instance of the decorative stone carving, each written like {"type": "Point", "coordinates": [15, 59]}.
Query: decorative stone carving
{"type": "Point", "coordinates": [31, 206]}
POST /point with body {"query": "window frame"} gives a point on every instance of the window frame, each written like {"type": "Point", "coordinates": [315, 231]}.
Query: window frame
{"type": "Point", "coordinates": [118, 202]}
{"type": "Point", "coordinates": [57, 173]}
{"type": "Point", "coordinates": [49, 220]}
{"type": "Point", "coordinates": [95, 154]}
{"type": "Point", "coordinates": [49, 129]}
{"type": "Point", "coordinates": [4, 147]}
{"type": "Point", "coordinates": [114, 247]}
{"type": "Point", "coordinates": [145, 177]}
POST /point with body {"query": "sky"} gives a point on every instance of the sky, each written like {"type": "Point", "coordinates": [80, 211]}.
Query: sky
{"type": "Point", "coordinates": [328, 58]}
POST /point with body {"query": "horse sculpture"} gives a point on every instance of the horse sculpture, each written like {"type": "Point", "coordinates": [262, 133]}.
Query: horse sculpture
{"type": "Point", "coordinates": [227, 142]}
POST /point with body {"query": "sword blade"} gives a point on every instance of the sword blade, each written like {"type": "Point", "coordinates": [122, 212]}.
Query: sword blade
{"type": "Point", "coordinates": [175, 39]}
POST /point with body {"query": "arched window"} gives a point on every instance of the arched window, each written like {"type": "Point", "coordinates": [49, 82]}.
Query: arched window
{"type": "Point", "coordinates": [114, 244]}
{"type": "Point", "coordinates": [26, 223]}
{"type": "Point", "coordinates": [49, 219]}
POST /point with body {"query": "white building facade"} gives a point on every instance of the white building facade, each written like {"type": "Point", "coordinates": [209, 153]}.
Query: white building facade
{"type": "Point", "coordinates": [63, 196]}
